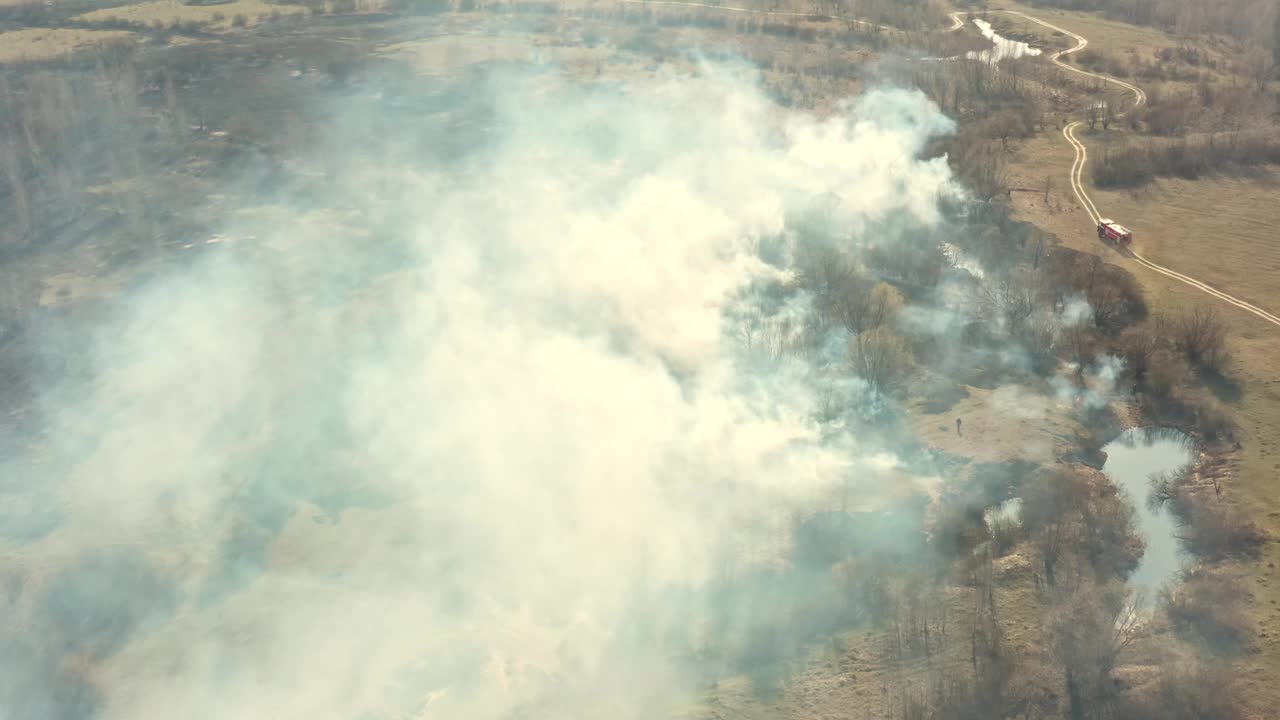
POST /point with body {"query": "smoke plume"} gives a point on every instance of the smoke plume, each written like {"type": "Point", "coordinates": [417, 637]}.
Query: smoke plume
{"type": "Point", "coordinates": [462, 437]}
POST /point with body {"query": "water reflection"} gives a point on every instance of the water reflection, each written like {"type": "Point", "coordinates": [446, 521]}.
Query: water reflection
{"type": "Point", "coordinates": [1002, 47]}
{"type": "Point", "coordinates": [1132, 459]}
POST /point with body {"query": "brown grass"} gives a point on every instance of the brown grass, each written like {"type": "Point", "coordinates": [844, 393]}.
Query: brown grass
{"type": "Point", "coordinates": [166, 13]}
{"type": "Point", "coordinates": [1006, 424]}
{"type": "Point", "coordinates": [1104, 35]}
{"type": "Point", "coordinates": [35, 44]}
{"type": "Point", "coordinates": [1219, 230]}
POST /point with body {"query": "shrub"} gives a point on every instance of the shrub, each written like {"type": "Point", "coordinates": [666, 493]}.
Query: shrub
{"type": "Point", "coordinates": [1208, 606]}
{"type": "Point", "coordinates": [1138, 345]}
{"type": "Point", "coordinates": [240, 20]}
{"type": "Point", "coordinates": [1216, 532]}
{"type": "Point", "coordinates": [1186, 693]}
{"type": "Point", "coordinates": [1209, 417]}
{"type": "Point", "coordinates": [1136, 165]}
{"type": "Point", "coordinates": [1166, 370]}
{"type": "Point", "coordinates": [1201, 337]}
{"type": "Point", "coordinates": [881, 357]}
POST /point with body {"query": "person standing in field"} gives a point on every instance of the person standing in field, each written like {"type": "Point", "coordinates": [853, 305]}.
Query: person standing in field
{"type": "Point", "coordinates": [958, 428]}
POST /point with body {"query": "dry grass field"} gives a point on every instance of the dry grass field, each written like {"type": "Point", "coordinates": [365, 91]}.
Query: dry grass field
{"type": "Point", "coordinates": [166, 12]}
{"type": "Point", "coordinates": [1103, 34]}
{"type": "Point", "coordinates": [1222, 230]}
{"type": "Point", "coordinates": [35, 44]}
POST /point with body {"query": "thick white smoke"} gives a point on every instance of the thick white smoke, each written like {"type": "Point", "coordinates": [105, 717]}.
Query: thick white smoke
{"type": "Point", "coordinates": [480, 477]}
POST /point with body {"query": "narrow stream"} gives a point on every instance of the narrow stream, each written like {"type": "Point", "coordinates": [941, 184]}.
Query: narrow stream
{"type": "Point", "coordinates": [1002, 47]}
{"type": "Point", "coordinates": [1132, 459]}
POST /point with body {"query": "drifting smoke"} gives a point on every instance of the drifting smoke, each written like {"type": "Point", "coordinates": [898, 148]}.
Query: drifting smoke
{"type": "Point", "coordinates": [463, 439]}
{"type": "Point", "coordinates": [1096, 384]}
{"type": "Point", "coordinates": [1075, 311]}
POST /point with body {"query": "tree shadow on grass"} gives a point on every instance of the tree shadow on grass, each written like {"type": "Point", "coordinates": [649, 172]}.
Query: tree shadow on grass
{"type": "Point", "coordinates": [1226, 389]}
{"type": "Point", "coordinates": [942, 394]}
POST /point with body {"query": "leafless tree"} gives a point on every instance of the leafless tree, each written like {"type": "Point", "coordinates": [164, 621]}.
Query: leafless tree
{"type": "Point", "coordinates": [1009, 300]}
{"type": "Point", "coordinates": [1089, 630]}
{"type": "Point", "coordinates": [1200, 335]}
{"type": "Point", "coordinates": [1259, 67]}
{"type": "Point", "coordinates": [881, 357]}
{"type": "Point", "coordinates": [1078, 342]}
{"type": "Point", "coordinates": [1139, 345]}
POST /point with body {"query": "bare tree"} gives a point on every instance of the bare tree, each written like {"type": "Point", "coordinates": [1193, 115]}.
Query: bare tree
{"type": "Point", "coordinates": [1113, 295]}
{"type": "Point", "coordinates": [1201, 337]}
{"type": "Point", "coordinates": [1047, 514]}
{"type": "Point", "coordinates": [1089, 630]}
{"type": "Point", "coordinates": [1009, 300]}
{"type": "Point", "coordinates": [1078, 340]}
{"type": "Point", "coordinates": [1260, 67]}
{"type": "Point", "coordinates": [1005, 125]}
{"type": "Point", "coordinates": [1139, 345]}
{"type": "Point", "coordinates": [881, 357]}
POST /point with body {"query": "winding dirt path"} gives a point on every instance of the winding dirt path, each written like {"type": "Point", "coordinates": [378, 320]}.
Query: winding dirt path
{"type": "Point", "coordinates": [1082, 157]}
{"type": "Point", "coordinates": [1068, 132]}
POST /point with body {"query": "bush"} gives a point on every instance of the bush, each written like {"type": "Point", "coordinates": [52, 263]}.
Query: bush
{"type": "Point", "coordinates": [1209, 417]}
{"type": "Point", "coordinates": [1189, 693]}
{"type": "Point", "coordinates": [1215, 532]}
{"type": "Point", "coordinates": [1208, 606]}
{"type": "Point", "coordinates": [1100, 63]}
{"type": "Point", "coordinates": [1201, 337]}
{"type": "Point", "coordinates": [1166, 371]}
{"type": "Point", "coordinates": [881, 357]}
{"type": "Point", "coordinates": [1116, 298]}
{"type": "Point", "coordinates": [1138, 346]}
{"type": "Point", "coordinates": [240, 20]}
{"type": "Point", "coordinates": [1137, 165]}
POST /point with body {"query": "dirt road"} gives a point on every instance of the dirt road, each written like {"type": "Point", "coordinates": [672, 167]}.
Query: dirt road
{"type": "Point", "coordinates": [1082, 157]}
{"type": "Point", "coordinates": [1082, 153]}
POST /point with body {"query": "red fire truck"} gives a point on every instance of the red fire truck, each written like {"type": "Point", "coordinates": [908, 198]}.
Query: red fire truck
{"type": "Point", "coordinates": [1114, 233]}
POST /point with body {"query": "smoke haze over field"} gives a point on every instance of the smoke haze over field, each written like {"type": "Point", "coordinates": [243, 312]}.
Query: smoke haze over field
{"type": "Point", "coordinates": [481, 441]}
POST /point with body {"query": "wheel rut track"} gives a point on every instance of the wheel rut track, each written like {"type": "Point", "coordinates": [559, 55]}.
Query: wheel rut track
{"type": "Point", "coordinates": [1068, 132]}
{"type": "Point", "coordinates": [1082, 157]}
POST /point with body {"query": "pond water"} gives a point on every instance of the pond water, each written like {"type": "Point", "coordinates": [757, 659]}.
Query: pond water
{"type": "Point", "coordinates": [1132, 459]}
{"type": "Point", "coordinates": [1002, 47]}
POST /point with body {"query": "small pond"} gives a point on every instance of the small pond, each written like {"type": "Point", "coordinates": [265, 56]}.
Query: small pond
{"type": "Point", "coordinates": [1002, 47]}
{"type": "Point", "coordinates": [1132, 459]}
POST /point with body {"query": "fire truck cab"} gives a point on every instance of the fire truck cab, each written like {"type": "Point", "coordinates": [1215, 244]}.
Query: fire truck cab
{"type": "Point", "coordinates": [1114, 233]}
